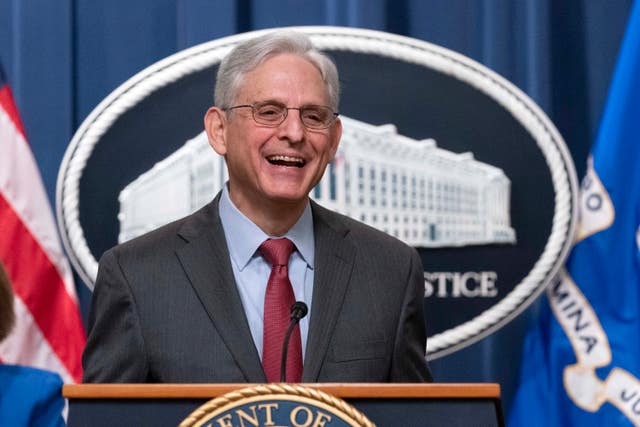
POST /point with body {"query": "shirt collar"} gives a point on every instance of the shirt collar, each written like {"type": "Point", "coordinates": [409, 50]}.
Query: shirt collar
{"type": "Point", "coordinates": [244, 237]}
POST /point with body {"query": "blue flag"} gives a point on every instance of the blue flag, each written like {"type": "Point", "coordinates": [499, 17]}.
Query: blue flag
{"type": "Point", "coordinates": [581, 364]}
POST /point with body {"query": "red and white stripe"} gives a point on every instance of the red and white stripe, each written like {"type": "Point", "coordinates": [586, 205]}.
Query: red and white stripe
{"type": "Point", "coordinates": [48, 333]}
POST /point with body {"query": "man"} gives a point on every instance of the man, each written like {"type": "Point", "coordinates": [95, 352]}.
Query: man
{"type": "Point", "coordinates": [204, 299]}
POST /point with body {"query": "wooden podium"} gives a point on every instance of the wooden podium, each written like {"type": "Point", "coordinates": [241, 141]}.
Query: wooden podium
{"type": "Point", "coordinates": [391, 405]}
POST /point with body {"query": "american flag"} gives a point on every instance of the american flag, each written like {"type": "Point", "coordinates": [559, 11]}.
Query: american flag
{"type": "Point", "coordinates": [48, 332]}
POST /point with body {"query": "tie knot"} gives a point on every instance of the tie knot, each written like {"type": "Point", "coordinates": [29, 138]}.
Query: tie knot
{"type": "Point", "coordinates": [277, 251]}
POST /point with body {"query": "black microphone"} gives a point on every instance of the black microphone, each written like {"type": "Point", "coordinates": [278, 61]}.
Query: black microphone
{"type": "Point", "coordinates": [298, 311]}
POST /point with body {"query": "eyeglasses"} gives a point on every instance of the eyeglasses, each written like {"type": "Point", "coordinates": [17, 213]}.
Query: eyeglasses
{"type": "Point", "coordinates": [271, 113]}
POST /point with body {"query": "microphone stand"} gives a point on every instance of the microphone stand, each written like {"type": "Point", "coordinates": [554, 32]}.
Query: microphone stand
{"type": "Point", "coordinates": [298, 311]}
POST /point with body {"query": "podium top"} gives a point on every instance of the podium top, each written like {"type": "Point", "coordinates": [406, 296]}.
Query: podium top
{"type": "Point", "coordinates": [342, 390]}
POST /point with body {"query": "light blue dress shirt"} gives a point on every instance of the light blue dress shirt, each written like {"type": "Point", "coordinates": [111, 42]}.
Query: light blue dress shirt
{"type": "Point", "coordinates": [252, 272]}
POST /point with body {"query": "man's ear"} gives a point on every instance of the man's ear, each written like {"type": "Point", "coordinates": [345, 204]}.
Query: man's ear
{"type": "Point", "coordinates": [335, 135]}
{"type": "Point", "coordinates": [215, 124]}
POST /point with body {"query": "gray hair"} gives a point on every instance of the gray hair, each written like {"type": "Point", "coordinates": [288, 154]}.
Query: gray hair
{"type": "Point", "coordinates": [250, 54]}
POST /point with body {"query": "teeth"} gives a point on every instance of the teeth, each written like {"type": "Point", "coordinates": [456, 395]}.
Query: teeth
{"type": "Point", "coordinates": [279, 158]}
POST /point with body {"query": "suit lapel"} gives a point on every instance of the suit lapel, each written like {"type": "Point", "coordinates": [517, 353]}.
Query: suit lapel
{"type": "Point", "coordinates": [334, 259]}
{"type": "Point", "coordinates": [205, 259]}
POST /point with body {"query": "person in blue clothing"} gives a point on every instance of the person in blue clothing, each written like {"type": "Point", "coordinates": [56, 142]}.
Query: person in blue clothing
{"type": "Point", "coordinates": [28, 396]}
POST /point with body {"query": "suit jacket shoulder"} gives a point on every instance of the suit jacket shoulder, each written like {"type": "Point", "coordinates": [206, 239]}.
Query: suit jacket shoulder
{"type": "Point", "coordinates": [367, 239]}
{"type": "Point", "coordinates": [167, 239]}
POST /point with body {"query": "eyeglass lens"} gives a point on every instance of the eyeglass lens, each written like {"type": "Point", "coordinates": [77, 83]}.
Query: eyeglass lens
{"type": "Point", "coordinates": [312, 116]}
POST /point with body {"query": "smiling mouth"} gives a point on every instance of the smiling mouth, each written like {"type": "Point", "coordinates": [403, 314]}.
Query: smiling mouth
{"type": "Point", "coordinates": [286, 161]}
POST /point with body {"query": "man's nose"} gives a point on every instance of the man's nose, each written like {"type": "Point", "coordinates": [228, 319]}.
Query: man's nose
{"type": "Point", "coordinates": [292, 127]}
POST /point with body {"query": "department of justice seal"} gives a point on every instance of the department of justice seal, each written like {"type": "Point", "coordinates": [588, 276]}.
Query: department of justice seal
{"type": "Point", "coordinates": [276, 405]}
{"type": "Point", "coordinates": [437, 150]}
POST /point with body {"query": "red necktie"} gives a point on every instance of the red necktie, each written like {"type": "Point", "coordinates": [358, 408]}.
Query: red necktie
{"type": "Point", "coordinates": [277, 314]}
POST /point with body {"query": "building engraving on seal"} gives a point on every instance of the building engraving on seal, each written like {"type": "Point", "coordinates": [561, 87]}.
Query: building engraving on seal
{"type": "Point", "coordinates": [413, 190]}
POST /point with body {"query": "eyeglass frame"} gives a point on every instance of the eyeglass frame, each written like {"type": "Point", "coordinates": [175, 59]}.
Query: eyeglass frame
{"type": "Point", "coordinates": [285, 114]}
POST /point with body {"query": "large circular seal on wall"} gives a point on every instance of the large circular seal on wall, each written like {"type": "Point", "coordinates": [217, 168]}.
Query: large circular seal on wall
{"type": "Point", "coordinates": [437, 150]}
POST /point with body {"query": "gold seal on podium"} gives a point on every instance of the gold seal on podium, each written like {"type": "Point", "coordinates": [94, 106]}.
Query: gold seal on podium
{"type": "Point", "coordinates": [276, 405]}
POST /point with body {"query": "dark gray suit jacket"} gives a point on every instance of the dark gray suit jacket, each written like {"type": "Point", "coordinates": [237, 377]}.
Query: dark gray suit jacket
{"type": "Point", "coordinates": [166, 308]}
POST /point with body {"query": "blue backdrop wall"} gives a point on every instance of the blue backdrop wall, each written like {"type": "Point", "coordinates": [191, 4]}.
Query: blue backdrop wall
{"type": "Point", "coordinates": [62, 57]}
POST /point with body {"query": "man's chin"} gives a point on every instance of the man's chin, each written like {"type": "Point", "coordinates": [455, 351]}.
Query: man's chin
{"type": "Point", "coordinates": [290, 199]}
{"type": "Point", "coordinates": [286, 195]}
